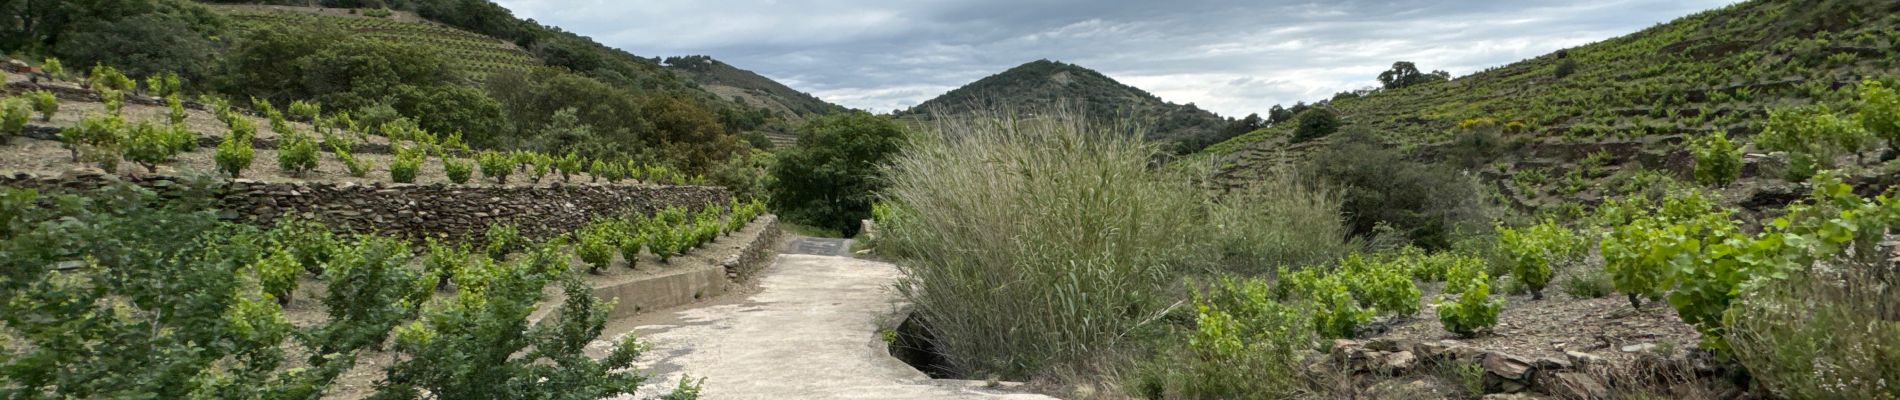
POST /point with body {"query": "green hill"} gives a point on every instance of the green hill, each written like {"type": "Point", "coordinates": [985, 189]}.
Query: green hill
{"type": "Point", "coordinates": [476, 54]}
{"type": "Point", "coordinates": [751, 89]}
{"type": "Point", "coordinates": [1623, 104]}
{"type": "Point", "coordinates": [1046, 85]}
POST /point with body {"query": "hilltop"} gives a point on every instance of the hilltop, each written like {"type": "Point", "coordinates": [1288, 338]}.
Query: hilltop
{"type": "Point", "coordinates": [1616, 107]}
{"type": "Point", "coordinates": [1045, 84]}
{"type": "Point", "coordinates": [750, 89]}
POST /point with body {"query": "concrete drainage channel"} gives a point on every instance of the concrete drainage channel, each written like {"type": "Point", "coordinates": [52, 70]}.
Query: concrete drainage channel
{"type": "Point", "coordinates": [684, 284]}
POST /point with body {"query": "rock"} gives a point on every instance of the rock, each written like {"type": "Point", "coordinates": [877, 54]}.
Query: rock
{"type": "Point", "coordinates": [1583, 360]}
{"type": "Point", "coordinates": [1398, 363]}
{"type": "Point", "coordinates": [1344, 344]}
{"type": "Point", "coordinates": [1382, 345]}
{"type": "Point", "coordinates": [1639, 348]}
{"type": "Point", "coordinates": [1575, 385]}
{"type": "Point", "coordinates": [1551, 363]}
{"type": "Point", "coordinates": [1505, 373]}
{"type": "Point", "coordinates": [1435, 350]}
{"type": "Point", "coordinates": [1508, 396]}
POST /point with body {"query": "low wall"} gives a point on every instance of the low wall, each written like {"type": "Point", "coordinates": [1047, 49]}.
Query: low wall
{"type": "Point", "coordinates": [415, 212]}
{"type": "Point", "coordinates": [687, 281]}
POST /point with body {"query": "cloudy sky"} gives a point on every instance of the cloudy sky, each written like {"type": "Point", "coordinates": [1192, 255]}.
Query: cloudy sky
{"type": "Point", "coordinates": [1231, 56]}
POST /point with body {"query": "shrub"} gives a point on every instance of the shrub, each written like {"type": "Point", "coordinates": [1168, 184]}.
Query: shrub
{"type": "Point", "coordinates": [1566, 67]}
{"type": "Point", "coordinates": [1531, 251]}
{"type": "Point", "coordinates": [114, 100]}
{"type": "Point", "coordinates": [54, 68]}
{"type": "Point", "coordinates": [830, 180]}
{"type": "Point", "coordinates": [568, 165]}
{"type": "Point", "coordinates": [296, 153]}
{"type": "Point", "coordinates": [45, 103]}
{"type": "Point", "coordinates": [1588, 284]}
{"type": "Point", "coordinates": [1075, 225]}
{"type": "Point", "coordinates": [1718, 161]}
{"type": "Point", "coordinates": [630, 244]}
{"type": "Point", "coordinates": [94, 131]}
{"type": "Point", "coordinates": [1473, 310]}
{"type": "Point", "coordinates": [176, 110]}
{"type": "Point", "coordinates": [1335, 313]}
{"type": "Point", "coordinates": [496, 165]}
{"type": "Point", "coordinates": [277, 273]}
{"type": "Point", "coordinates": [14, 114]}
{"type": "Point", "coordinates": [501, 239]}
{"type": "Point", "coordinates": [458, 169]}
{"type": "Point", "coordinates": [105, 77]}
{"type": "Point", "coordinates": [305, 111]}
{"type": "Point", "coordinates": [148, 145]}
{"type": "Point", "coordinates": [354, 166]}
{"type": "Point", "coordinates": [1382, 286]}
{"type": "Point", "coordinates": [1638, 254]}
{"type": "Point", "coordinates": [1277, 222]}
{"type": "Point", "coordinates": [1430, 204]}
{"type": "Point", "coordinates": [1880, 112]}
{"type": "Point", "coordinates": [1812, 137]}
{"type": "Point", "coordinates": [404, 167]}
{"type": "Point", "coordinates": [1244, 345]}
{"type": "Point", "coordinates": [596, 170]}
{"type": "Point", "coordinates": [540, 166]}
{"type": "Point", "coordinates": [1315, 123]}
{"type": "Point", "coordinates": [1822, 334]}
{"type": "Point", "coordinates": [596, 247]}
{"type": "Point", "coordinates": [234, 154]}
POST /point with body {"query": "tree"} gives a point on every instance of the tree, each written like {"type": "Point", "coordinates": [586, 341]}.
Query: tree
{"type": "Point", "coordinates": [1278, 114]}
{"type": "Point", "coordinates": [1404, 73]}
{"type": "Point", "coordinates": [1316, 123]}
{"type": "Point", "coordinates": [829, 180]}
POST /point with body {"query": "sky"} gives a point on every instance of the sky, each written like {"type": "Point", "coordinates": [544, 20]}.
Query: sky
{"type": "Point", "coordinates": [1233, 57]}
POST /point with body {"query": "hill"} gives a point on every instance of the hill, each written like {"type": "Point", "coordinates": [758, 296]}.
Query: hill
{"type": "Point", "coordinates": [751, 89]}
{"type": "Point", "coordinates": [475, 54]}
{"type": "Point", "coordinates": [1044, 85]}
{"type": "Point", "coordinates": [1620, 105]}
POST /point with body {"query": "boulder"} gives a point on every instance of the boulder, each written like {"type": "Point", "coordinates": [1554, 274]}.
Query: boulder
{"type": "Point", "coordinates": [1398, 363]}
{"type": "Point", "coordinates": [1575, 385]}
{"type": "Point", "coordinates": [1505, 373]}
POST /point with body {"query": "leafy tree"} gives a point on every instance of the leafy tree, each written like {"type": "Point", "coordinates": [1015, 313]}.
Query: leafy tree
{"type": "Point", "coordinates": [1430, 203]}
{"type": "Point", "coordinates": [830, 179]}
{"type": "Point", "coordinates": [1404, 73]}
{"type": "Point", "coordinates": [1316, 123]}
{"type": "Point", "coordinates": [1276, 115]}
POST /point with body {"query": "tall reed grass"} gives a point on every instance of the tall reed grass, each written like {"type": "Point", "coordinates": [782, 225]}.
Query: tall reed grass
{"type": "Point", "coordinates": [1037, 241]}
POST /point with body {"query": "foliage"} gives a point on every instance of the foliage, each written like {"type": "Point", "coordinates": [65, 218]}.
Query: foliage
{"type": "Point", "coordinates": [175, 110]}
{"type": "Point", "coordinates": [101, 133]}
{"type": "Point", "coordinates": [1075, 225]}
{"type": "Point", "coordinates": [114, 100]}
{"type": "Point", "coordinates": [54, 68]}
{"type": "Point", "coordinates": [1718, 161]}
{"type": "Point", "coordinates": [830, 179]}
{"type": "Point", "coordinates": [1431, 204]}
{"type": "Point", "coordinates": [595, 245]}
{"type": "Point", "coordinates": [296, 152]}
{"type": "Point", "coordinates": [1335, 313]}
{"type": "Point", "coordinates": [1638, 253]}
{"type": "Point", "coordinates": [1531, 251]}
{"type": "Point", "coordinates": [1813, 138]}
{"type": "Point", "coordinates": [354, 166]}
{"type": "Point", "coordinates": [1277, 222]}
{"type": "Point", "coordinates": [304, 111]}
{"type": "Point", "coordinates": [1822, 333]}
{"type": "Point", "coordinates": [106, 77]}
{"type": "Point", "coordinates": [1315, 123]}
{"type": "Point", "coordinates": [407, 162]}
{"type": "Point", "coordinates": [568, 165]}
{"type": "Point", "coordinates": [540, 164]}
{"type": "Point", "coordinates": [502, 239]}
{"type": "Point", "coordinates": [496, 165]}
{"type": "Point", "coordinates": [1404, 73]}
{"type": "Point", "coordinates": [234, 153]}
{"type": "Point", "coordinates": [1244, 344]}
{"type": "Point", "coordinates": [44, 103]}
{"type": "Point", "coordinates": [1472, 310]}
{"type": "Point", "coordinates": [148, 145]}
{"type": "Point", "coordinates": [1588, 284]}
{"type": "Point", "coordinates": [1880, 112]}
{"type": "Point", "coordinates": [14, 114]}
{"type": "Point", "coordinates": [458, 169]}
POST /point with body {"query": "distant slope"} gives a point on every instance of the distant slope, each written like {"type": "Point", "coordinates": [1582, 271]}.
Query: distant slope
{"type": "Point", "coordinates": [1630, 99]}
{"type": "Point", "coordinates": [477, 54]}
{"type": "Point", "coordinates": [1046, 85]}
{"type": "Point", "coordinates": [754, 90]}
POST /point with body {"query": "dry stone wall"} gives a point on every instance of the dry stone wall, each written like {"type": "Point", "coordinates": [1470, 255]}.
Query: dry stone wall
{"type": "Point", "coordinates": [451, 212]}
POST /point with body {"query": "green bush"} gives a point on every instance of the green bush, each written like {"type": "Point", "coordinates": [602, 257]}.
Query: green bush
{"type": "Point", "coordinates": [496, 165]}
{"type": "Point", "coordinates": [305, 111]}
{"type": "Point", "coordinates": [296, 153]}
{"type": "Point", "coordinates": [1531, 251]}
{"type": "Point", "coordinates": [1718, 161]}
{"type": "Point", "coordinates": [1431, 204]}
{"type": "Point", "coordinates": [1588, 284]}
{"type": "Point", "coordinates": [354, 166]}
{"type": "Point", "coordinates": [234, 154]}
{"type": "Point", "coordinates": [403, 169]}
{"type": "Point", "coordinates": [458, 169]}
{"type": "Point", "coordinates": [1880, 112]}
{"type": "Point", "coordinates": [1822, 334]}
{"type": "Point", "coordinates": [14, 114]}
{"type": "Point", "coordinates": [1473, 310]}
{"type": "Point", "coordinates": [114, 100]}
{"type": "Point", "coordinates": [98, 136]}
{"type": "Point", "coordinates": [175, 110]}
{"type": "Point", "coordinates": [595, 245]}
{"type": "Point", "coordinates": [1315, 123]}
{"type": "Point", "coordinates": [277, 274]}
{"type": "Point", "coordinates": [831, 178]}
{"type": "Point", "coordinates": [45, 103]}
{"type": "Point", "coordinates": [1383, 286]}
{"type": "Point", "coordinates": [1335, 313]}
{"type": "Point", "coordinates": [1244, 345]}
{"type": "Point", "coordinates": [107, 77]}
{"type": "Point", "coordinates": [540, 165]}
{"type": "Point", "coordinates": [54, 68]}
{"type": "Point", "coordinates": [1813, 137]}
{"type": "Point", "coordinates": [148, 145]}
{"type": "Point", "coordinates": [568, 166]}
{"type": "Point", "coordinates": [501, 239]}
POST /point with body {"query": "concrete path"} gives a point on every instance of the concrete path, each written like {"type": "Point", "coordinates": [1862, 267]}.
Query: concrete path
{"type": "Point", "coordinates": [811, 332]}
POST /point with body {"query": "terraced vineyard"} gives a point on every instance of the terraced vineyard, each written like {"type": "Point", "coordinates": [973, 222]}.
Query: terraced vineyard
{"type": "Point", "coordinates": [479, 55]}
{"type": "Point", "coordinates": [1625, 100]}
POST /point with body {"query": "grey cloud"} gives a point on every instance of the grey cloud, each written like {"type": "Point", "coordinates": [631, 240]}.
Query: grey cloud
{"type": "Point", "coordinates": [1231, 56]}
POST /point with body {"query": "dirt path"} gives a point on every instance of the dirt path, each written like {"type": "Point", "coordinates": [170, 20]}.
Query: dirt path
{"type": "Point", "coordinates": [809, 332]}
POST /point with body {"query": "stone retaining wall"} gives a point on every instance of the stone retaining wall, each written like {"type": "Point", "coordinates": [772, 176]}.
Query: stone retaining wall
{"type": "Point", "coordinates": [451, 212]}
